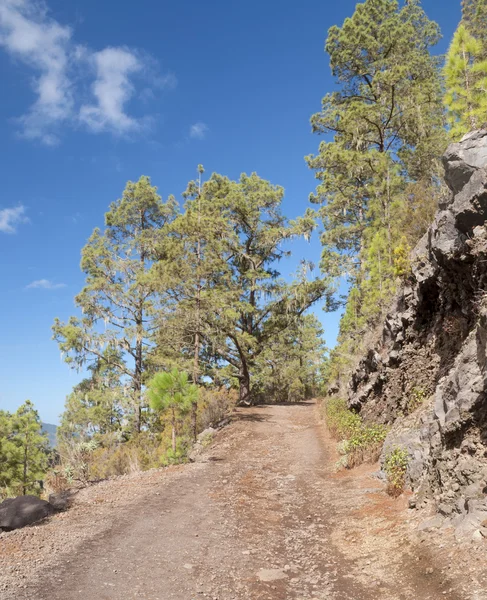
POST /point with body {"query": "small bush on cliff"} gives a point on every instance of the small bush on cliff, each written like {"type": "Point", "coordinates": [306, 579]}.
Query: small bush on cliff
{"type": "Point", "coordinates": [365, 444]}
{"type": "Point", "coordinates": [415, 400]}
{"type": "Point", "coordinates": [360, 442]}
{"type": "Point", "coordinates": [395, 467]}
{"type": "Point", "coordinates": [341, 421]}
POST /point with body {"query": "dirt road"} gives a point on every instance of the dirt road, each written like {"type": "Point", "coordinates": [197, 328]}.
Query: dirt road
{"type": "Point", "coordinates": [263, 516]}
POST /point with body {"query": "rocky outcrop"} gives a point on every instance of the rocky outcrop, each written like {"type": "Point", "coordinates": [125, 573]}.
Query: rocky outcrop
{"type": "Point", "coordinates": [427, 375]}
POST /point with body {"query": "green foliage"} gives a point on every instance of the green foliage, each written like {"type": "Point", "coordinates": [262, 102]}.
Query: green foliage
{"type": "Point", "coordinates": [230, 295]}
{"type": "Point", "coordinates": [365, 444]}
{"type": "Point", "coordinates": [379, 174]}
{"type": "Point", "coordinates": [119, 302]}
{"type": "Point", "coordinates": [396, 466]}
{"type": "Point", "coordinates": [474, 17]}
{"type": "Point", "coordinates": [416, 398]}
{"type": "Point", "coordinates": [24, 451]}
{"type": "Point", "coordinates": [140, 453]}
{"type": "Point", "coordinates": [289, 367]}
{"type": "Point", "coordinates": [465, 81]}
{"type": "Point", "coordinates": [341, 421]}
{"type": "Point", "coordinates": [386, 120]}
{"type": "Point", "coordinates": [96, 405]}
{"type": "Point", "coordinates": [172, 392]}
{"type": "Point", "coordinates": [402, 262]}
{"type": "Point", "coordinates": [359, 441]}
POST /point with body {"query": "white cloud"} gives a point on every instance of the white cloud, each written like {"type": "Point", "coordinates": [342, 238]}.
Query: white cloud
{"type": "Point", "coordinates": [112, 90]}
{"type": "Point", "coordinates": [63, 69]}
{"type": "Point", "coordinates": [11, 217]}
{"type": "Point", "coordinates": [45, 284]}
{"type": "Point", "coordinates": [29, 35]}
{"type": "Point", "coordinates": [198, 131]}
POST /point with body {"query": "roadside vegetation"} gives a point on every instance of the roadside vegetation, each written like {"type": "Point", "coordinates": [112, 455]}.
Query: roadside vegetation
{"type": "Point", "coordinates": [360, 442]}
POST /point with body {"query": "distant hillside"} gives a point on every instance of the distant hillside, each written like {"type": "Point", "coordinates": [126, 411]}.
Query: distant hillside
{"type": "Point", "coordinates": [51, 433]}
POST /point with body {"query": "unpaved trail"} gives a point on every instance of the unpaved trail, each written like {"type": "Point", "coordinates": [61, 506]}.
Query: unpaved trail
{"type": "Point", "coordinates": [263, 516]}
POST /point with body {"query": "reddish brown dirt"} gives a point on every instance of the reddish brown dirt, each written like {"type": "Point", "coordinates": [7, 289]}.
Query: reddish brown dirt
{"type": "Point", "coordinates": [262, 516]}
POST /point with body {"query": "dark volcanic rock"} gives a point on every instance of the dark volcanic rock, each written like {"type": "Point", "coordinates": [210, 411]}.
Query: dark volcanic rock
{"type": "Point", "coordinates": [434, 343]}
{"type": "Point", "coordinates": [24, 510]}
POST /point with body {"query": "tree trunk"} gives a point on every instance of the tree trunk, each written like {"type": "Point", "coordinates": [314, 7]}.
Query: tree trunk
{"type": "Point", "coordinates": [196, 360]}
{"type": "Point", "coordinates": [138, 390]}
{"type": "Point", "coordinates": [24, 486]}
{"type": "Point", "coordinates": [138, 371]}
{"type": "Point", "coordinates": [194, 405]}
{"type": "Point", "coordinates": [244, 391]}
{"type": "Point", "coordinates": [173, 431]}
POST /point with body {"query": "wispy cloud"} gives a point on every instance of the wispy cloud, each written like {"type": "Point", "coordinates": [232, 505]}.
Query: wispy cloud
{"type": "Point", "coordinates": [10, 218]}
{"type": "Point", "coordinates": [112, 90]}
{"type": "Point", "coordinates": [29, 35]}
{"type": "Point", "coordinates": [44, 284]}
{"type": "Point", "coordinates": [198, 131]}
{"type": "Point", "coordinates": [63, 68]}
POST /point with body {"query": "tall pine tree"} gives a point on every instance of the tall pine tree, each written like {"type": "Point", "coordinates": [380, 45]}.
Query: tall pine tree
{"type": "Point", "coordinates": [120, 301]}
{"type": "Point", "coordinates": [386, 118]}
{"type": "Point", "coordinates": [466, 83]}
{"type": "Point", "coordinates": [24, 449]}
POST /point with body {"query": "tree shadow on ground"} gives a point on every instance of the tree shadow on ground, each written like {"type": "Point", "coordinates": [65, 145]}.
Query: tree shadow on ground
{"type": "Point", "coordinates": [251, 416]}
{"type": "Point", "coordinates": [270, 404]}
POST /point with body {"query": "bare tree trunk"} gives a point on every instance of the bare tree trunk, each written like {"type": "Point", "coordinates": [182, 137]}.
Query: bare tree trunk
{"type": "Point", "coordinates": [173, 431]}
{"type": "Point", "coordinates": [194, 405]}
{"type": "Point", "coordinates": [196, 360]}
{"type": "Point", "coordinates": [138, 384]}
{"type": "Point", "coordinates": [244, 391]}
{"type": "Point", "coordinates": [24, 479]}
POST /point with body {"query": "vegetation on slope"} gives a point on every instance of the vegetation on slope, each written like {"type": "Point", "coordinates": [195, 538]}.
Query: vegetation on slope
{"type": "Point", "coordinates": [386, 128]}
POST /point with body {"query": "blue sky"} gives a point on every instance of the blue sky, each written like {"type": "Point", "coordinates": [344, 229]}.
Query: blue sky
{"type": "Point", "coordinates": [94, 94]}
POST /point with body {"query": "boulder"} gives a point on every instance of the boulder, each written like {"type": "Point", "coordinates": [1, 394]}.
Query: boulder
{"type": "Point", "coordinates": [24, 510]}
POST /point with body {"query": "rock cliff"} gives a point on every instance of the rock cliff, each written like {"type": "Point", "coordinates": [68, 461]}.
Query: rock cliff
{"type": "Point", "coordinates": [427, 375]}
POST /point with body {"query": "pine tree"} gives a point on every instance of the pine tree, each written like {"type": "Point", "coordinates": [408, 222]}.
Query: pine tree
{"type": "Point", "coordinates": [6, 467]}
{"type": "Point", "coordinates": [174, 393]}
{"type": "Point", "coordinates": [120, 302]}
{"type": "Point", "coordinates": [289, 367]}
{"type": "Point", "coordinates": [250, 303]}
{"type": "Point", "coordinates": [190, 257]}
{"type": "Point", "coordinates": [24, 450]}
{"type": "Point", "coordinates": [379, 172]}
{"type": "Point", "coordinates": [388, 110]}
{"type": "Point", "coordinates": [96, 405]}
{"type": "Point", "coordinates": [474, 17]}
{"type": "Point", "coordinates": [466, 84]}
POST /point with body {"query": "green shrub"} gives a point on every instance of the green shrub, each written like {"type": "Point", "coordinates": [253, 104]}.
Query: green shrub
{"type": "Point", "coordinates": [395, 467]}
{"type": "Point", "coordinates": [416, 398]}
{"type": "Point", "coordinates": [365, 444]}
{"type": "Point", "coordinates": [214, 406]}
{"type": "Point", "coordinates": [360, 442]}
{"type": "Point", "coordinates": [341, 421]}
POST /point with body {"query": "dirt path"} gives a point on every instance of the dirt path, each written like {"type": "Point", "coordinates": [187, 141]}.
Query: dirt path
{"type": "Point", "coordinates": [263, 517]}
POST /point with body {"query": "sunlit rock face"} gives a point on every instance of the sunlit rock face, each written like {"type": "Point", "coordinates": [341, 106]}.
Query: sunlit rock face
{"type": "Point", "coordinates": [433, 348]}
